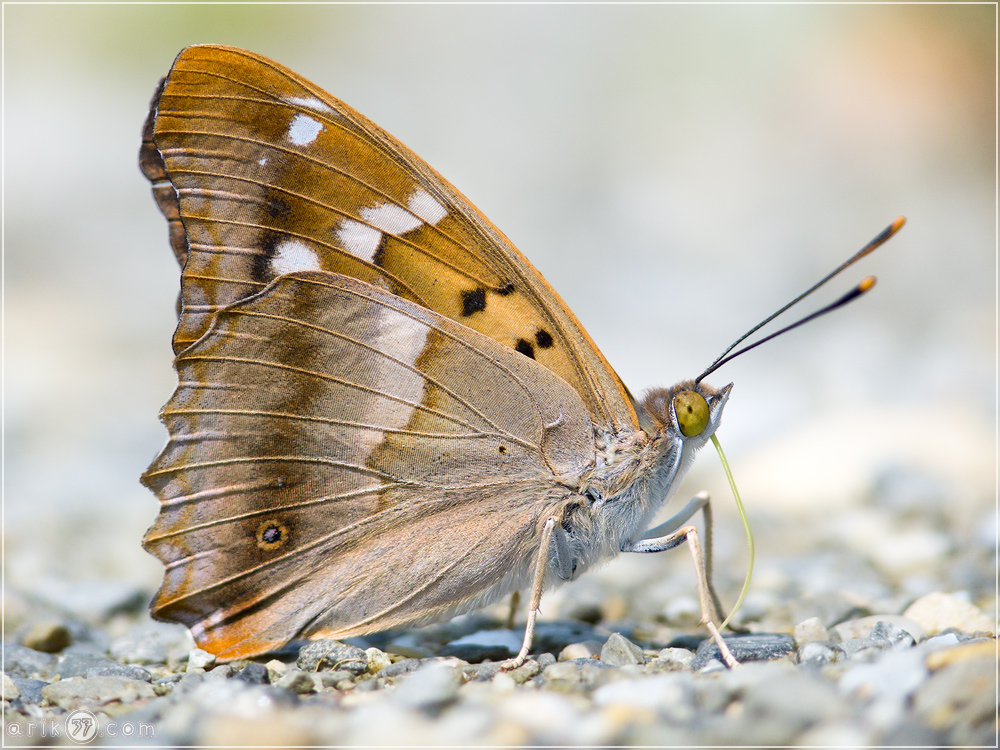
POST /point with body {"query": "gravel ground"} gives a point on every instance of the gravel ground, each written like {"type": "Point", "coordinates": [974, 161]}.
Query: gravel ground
{"type": "Point", "coordinates": [837, 650]}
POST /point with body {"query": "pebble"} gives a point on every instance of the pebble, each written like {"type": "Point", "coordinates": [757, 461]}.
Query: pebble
{"type": "Point", "coordinates": [48, 637]}
{"type": "Point", "coordinates": [757, 647]}
{"type": "Point", "coordinates": [810, 630]}
{"type": "Point", "coordinates": [77, 691]}
{"type": "Point", "coordinates": [21, 661]}
{"type": "Point", "coordinates": [619, 651]}
{"type": "Point", "coordinates": [939, 611]}
{"type": "Point", "coordinates": [332, 655]}
{"type": "Point", "coordinates": [199, 659]}
{"type": "Point", "coordinates": [10, 689]}
{"type": "Point", "coordinates": [885, 682]}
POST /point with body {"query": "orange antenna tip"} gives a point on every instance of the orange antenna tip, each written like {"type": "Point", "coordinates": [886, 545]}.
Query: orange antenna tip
{"type": "Point", "coordinates": [898, 224]}
{"type": "Point", "coordinates": [866, 284]}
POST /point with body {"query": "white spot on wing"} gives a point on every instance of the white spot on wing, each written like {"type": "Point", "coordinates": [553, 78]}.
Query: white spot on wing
{"type": "Point", "coordinates": [402, 339]}
{"type": "Point", "coordinates": [359, 239]}
{"type": "Point", "coordinates": [262, 160]}
{"type": "Point", "coordinates": [391, 218]}
{"type": "Point", "coordinates": [308, 101]}
{"type": "Point", "coordinates": [426, 206]}
{"type": "Point", "coordinates": [303, 130]}
{"type": "Point", "coordinates": [293, 255]}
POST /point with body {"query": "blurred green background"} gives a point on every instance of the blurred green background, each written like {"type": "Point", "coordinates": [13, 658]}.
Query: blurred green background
{"type": "Point", "coordinates": [677, 172]}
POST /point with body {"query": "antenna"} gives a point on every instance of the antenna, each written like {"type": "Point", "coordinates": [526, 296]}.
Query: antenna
{"type": "Point", "coordinates": [852, 295]}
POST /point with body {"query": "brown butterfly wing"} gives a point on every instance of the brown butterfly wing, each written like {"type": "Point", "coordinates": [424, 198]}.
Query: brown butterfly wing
{"type": "Point", "coordinates": [268, 174]}
{"type": "Point", "coordinates": [343, 461]}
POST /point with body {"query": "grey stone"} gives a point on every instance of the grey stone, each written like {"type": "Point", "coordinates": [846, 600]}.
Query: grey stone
{"type": "Point", "coordinates": [400, 667]}
{"type": "Point", "coordinates": [21, 661]}
{"type": "Point", "coordinates": [619, 650]}
{"type": "Point", "coordinates": [80, 659]}
{"type": "Point", "coordinates": [819, 653]}
{"type": "Point", "coordinates": [298, 681]}
{"type": "Point", "coordinates": [141, 646]}
{"type": "Point", "coordinates": [200, 659]}
{"type": "Point", "coordinates": [429, 688]}
{"type": "Point", "coordinates": [77, 691]}
{"type": "Point", "coordinates": [332, 655]}
{"type": "Point", "coordinates": [30, 690]}
{"type": "Point", "coordinates": [253, 674]}
{"type": "Point", "coordinates": [746, 648]}
{"type": "Point", "coordinates": [115, 669]}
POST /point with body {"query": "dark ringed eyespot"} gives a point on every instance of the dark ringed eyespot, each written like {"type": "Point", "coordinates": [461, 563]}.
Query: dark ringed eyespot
{"type": "Point", "coordinates": [525, 348]}
{"type": "Point", "coordinates": [271, 535]}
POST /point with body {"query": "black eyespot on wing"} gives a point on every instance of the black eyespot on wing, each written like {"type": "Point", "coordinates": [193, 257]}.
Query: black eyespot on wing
{"type": "Point", "coordinates": [272, 535]}
{"type": "Point", "coordinates": [543, 338]}
{"type": "Point", "coordinates": [505, 290]}
{"type": "Point", "coordinates": [525, 348]}
{"type": "Point", "coordinates": [473, 301]}
{"type": "Point", "coordinates": [503, 448]}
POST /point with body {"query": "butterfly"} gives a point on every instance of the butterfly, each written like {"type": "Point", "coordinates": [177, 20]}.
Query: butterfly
{"type": "Point", "coordinates": [384, 415]}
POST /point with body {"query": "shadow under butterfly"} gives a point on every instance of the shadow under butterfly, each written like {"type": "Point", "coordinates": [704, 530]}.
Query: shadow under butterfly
{"type": "Point", "coordinates": [385, 416]}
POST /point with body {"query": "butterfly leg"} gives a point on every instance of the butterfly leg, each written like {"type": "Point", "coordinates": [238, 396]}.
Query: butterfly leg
{"type": "Point", "coordinates": [701, 502]}
{"type": "Point", "coordinates": [537, 581]}
{"type": "Point", "coordinates": [674, 537]}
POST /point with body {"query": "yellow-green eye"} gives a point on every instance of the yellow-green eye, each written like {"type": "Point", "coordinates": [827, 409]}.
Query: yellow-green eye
{"type": "Point", "coordinates": [692, 412]}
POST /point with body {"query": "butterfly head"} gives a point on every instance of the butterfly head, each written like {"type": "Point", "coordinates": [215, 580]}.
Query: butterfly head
{"type": "Point", "coordinates": [689, 410]}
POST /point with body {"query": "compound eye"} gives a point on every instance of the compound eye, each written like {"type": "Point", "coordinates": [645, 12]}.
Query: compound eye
{"type": "Point", "coordinates": [692, 412]}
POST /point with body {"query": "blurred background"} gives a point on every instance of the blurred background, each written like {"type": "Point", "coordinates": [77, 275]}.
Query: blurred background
{"type": "Point", "coordinates": [676, 173]}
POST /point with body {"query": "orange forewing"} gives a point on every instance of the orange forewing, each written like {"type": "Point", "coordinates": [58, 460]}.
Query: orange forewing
{"type": "Point", "coordinates": [261, 173]}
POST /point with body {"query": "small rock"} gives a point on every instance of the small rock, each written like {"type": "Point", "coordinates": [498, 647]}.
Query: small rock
{"type": "Point", "coordinates": [400, 667]}
{"type": "Point", "coordinates": [545, 659]}
{"type": "Point", "coordinates": [48, 637]}
{"type": "Point", "coordinates": [200, 659]}
{"type": "Point", "coordinates": [810, 630]}
{"type": "Point", "coordinates": [619, 650]}
{"type": "Point", "coordinates": [960, 698]}
{"type": "Point", "coordinates": [253, 674]}
{"type": "Point", "coordinates": [984, 649]}
{"type": "Point", "coordinates": [340, 679]}
{"type": "Point", "coordinates": [820, 653]}
{"type": "Point", "coordinates": [377, 660]}
{"type": "Point", "coordinates": [21, 661]}
{"type": "Point", "coordinates": [80, 659]}
{"type": "Point", "coordinates": [429, 688]}
{"type": "Point", "coordinates": [114, 669]}
{"type": "Point", "coordinates": [141, 646]}
{"type": "Point", "coordinates": [71, 693]}
{"type": "Point", "coordinates": [862, 627]}
{"type": "Point", "coordinates": [298, 681]}
{"type": "Point", "coordinates": [10, 690]}
{"type": "Point", "coordinates": [583, 650]}
{"type": "Point", "coordinates": [525, 672]}
{"type": "Point", "coordinates": [276, 670]}
{"type": "Point", "coordinates": [938, 611]}
{"type": "Point", "coordinates": [676, 659]}
{"type": "Point", "coordinates": [745, 648]}
{"type": "Point", "coordinates": [30, 690]}
{"type": "Point", "coordinates": [332, 655]}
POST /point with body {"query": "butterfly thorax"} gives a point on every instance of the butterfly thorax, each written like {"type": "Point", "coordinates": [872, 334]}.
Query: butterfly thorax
{"type": "Point", "coordinates": [636, 473]}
